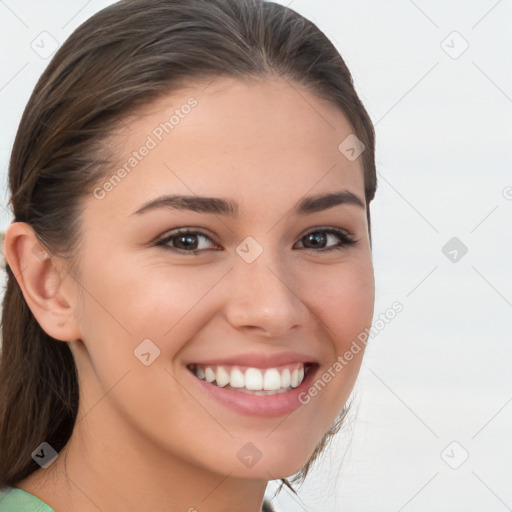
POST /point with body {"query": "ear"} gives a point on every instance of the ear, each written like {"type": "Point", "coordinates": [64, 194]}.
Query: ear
{"type": "Point", "coordinates": [50, 296]}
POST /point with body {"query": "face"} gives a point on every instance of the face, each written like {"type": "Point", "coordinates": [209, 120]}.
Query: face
{"type": "Point", "coordinates": [191, 306]}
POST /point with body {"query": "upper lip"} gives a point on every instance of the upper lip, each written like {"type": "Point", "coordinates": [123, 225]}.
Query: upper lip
{"type": "Point", "coordinates": [259, 360]}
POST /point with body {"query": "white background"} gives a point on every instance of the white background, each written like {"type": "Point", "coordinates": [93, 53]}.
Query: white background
{"type": "Point", "coordinates": [440, 371]}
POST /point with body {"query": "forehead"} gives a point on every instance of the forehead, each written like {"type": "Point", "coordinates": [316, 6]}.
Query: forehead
{"type": "Point", "coordinates": [265, 139]}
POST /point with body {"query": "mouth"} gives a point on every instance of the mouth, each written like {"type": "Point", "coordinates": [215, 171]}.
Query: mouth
{"type": "Point", "coordinates": [252, 380]}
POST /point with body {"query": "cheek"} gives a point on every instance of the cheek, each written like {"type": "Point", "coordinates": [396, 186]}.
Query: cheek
{"type": "Point", "coordinates": [342, 297]}
{"type": "Point", "coordinates": [170, 303]}
{"type": "Point", "coordinates": [146, 301]}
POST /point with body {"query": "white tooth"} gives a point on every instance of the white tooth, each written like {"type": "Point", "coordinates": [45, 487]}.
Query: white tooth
{"type": "Point", "coordinates": [285, 378]}
{"type": "Point", "coordinates": [253, 379]}
{"type": "Point", "coordinates": [200, 373]}
{"type": "Point", "coordinates": [272, 380]}
{"type": "Point", "coordinates": [209, 374]}
{"type": "Point", "coordinates": [222, 377]}
{"type": "Point", "coordinates": [301, 374]}
{"type": "Point", "coordinates": [295, 378]}
{"type": "Point", "coordinates": [237, 378]}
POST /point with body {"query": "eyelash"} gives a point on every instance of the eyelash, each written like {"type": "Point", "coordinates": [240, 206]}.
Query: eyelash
{"type": "Point", "coordinates": [346, 240]}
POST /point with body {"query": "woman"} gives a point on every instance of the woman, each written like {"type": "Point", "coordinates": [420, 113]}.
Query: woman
{"type": "Point", "coordinates": [190, 258]}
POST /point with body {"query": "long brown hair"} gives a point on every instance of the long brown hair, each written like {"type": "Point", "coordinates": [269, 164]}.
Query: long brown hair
{"type": "Point", "coordinates": [122, 58]}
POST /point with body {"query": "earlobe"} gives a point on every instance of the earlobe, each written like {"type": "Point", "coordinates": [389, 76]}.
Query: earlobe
{"type": "Point", "coordinates": [48, 294]}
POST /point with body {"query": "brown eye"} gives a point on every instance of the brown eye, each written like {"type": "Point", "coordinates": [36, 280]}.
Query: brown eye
{"type": "Point", "coordinates": [185, 241]}
{"type": "Point", "coordinates": [319, 238]}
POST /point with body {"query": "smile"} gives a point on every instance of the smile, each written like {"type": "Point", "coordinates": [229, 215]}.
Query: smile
{"type": "Point", "coordinates": [250, 380]}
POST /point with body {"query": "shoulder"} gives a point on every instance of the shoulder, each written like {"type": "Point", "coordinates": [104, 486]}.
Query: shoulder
{"type": "Point", "coordinates": [13, 499]}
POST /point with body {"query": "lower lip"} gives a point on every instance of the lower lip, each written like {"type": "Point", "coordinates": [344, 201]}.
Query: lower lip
{"type": "Point", "coordinates": [270, 406]}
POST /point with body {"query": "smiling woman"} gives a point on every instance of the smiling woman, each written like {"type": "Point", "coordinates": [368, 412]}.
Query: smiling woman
{"type": "Point", "coordinates": [159, 338]}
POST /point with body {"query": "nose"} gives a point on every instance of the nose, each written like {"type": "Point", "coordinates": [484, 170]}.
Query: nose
{"type": "Point", "coordinates": [262, 298]}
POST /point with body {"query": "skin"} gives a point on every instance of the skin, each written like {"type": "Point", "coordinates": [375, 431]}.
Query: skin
{"type": "Point", "coordinates": [141, 429]}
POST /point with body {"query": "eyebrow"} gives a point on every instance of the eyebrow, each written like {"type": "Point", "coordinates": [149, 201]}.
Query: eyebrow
{"type": "Point", "coordinates": [219, 206]}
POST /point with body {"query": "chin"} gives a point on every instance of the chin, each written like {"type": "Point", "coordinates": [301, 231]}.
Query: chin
{"type": "Point", "coordinates": [274, 462]}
